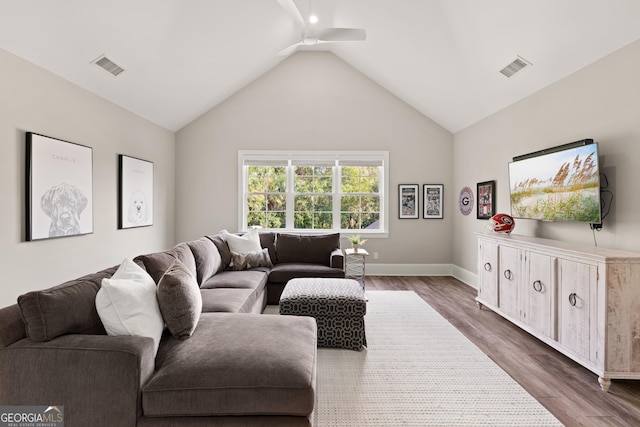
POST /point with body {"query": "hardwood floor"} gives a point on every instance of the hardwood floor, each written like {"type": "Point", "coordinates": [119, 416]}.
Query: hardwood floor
{"type": "Point", "coordinates": [570, 392]}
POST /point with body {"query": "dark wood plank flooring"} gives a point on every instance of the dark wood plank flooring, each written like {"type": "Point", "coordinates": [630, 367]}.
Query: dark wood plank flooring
{"type": "Point", "coordinates": [569, 391]}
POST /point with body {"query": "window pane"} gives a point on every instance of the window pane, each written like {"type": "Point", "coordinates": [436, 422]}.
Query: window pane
{"type": "Point", "coordinates": [322, 220]}
{"type": "Point", "coordinates": [350, 220]}
{"type": "Point", "coordinates": [303, 203]}
{"type": "Point", "coordinates": [371, 221]}
{"type": "Point", "coordinates": [350, 184]}
{"type": "Point", "coordinates": [276, 202]}
{"type": "Point", "coordinates": [304, 184]}
{"type": "Point", "coordinates": [277, 179]}
{"type": "Point", "coordinates": [323, 185]}
{"type": "Point", "coordinates": [303, 171]}
{"type": "Point", "coordinates": [313, 212]}
{"type": "Point", "coordinates": [324, 171]}
{"type": "Point", "coordinates": [303, 220]}
{"type": "Point", "coordinates": [257, 179]}
{"type": "Point", "coordinates": [323, 203]}
{"type": "Point", "coordinates": [256, 219]}
{"type": "Point", "coordinates": [370, 203]}
{"type": "Point", "coordinates": [360, 179]}
{"type": "Point", "coordinates": [350, 171]}
{"type": "Point", "coordinates": [256, 202]}
{"type": "Point", "coordinates": [360, 212]}
{"type": "Point", "coordinates": [276, 220]}
{"type": "Point", "coordinates": [313, 179]}
{"type": "Point", "coordinates": [350, 203]}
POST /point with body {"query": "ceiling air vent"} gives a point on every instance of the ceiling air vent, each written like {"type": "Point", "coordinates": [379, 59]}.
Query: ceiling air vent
{"type": "Point", "coordinates": [108, 65]}
{"type": "Point", "coordinates": [515, 66]}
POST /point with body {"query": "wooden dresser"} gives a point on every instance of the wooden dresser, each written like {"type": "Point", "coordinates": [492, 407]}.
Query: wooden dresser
{"type": "Point", "coordinates": [584, 301]}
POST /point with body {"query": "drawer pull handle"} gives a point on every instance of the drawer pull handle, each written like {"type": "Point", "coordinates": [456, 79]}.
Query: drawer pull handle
{"type": "Point", "coordinates": [537, 286]}
{"type": "Point", "coordinates": [573, 299]}
{"type": "Point", "coordinates": [487, 267]}
{"type": "Point", "coordinates": [508, 274]}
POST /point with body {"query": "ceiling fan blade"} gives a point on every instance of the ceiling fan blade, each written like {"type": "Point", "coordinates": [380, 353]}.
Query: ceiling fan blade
{"type": "Point", "coordinates": [342, 34]}
{"type": "Point", "coordinates": [293, 10]}
{"type": "Point", "coordinates": [289, 50]}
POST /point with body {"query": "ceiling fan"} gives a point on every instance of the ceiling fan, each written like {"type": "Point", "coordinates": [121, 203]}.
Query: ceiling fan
{"type": "Point", "coordinates": [325, 35]}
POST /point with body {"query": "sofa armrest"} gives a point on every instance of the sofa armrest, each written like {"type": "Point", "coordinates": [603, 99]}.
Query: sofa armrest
{"type": "Point", "coordinates": [97, 378]}
{"type": "Point", "coordinates": [337, 259]}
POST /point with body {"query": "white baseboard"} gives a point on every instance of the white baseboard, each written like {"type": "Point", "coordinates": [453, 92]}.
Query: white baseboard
{"type": "Point", "coordinates": [409, 270]}
{"type": "Point", "coordinates": [466, 276]}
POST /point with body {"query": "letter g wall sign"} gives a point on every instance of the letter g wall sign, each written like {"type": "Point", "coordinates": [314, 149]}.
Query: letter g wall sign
{"type": "Point", "coordinates": [465, 201]}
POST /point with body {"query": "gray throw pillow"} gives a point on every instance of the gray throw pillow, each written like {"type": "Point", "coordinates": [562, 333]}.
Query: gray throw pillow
{"type": "Point", "coordinates": [180, 300]}
{"type": "Point", "coordinates": [251, 260]}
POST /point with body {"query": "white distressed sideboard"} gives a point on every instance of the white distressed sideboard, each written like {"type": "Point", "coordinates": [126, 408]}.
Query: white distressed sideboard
{"type": "Point", "coordinates": [582, 300]}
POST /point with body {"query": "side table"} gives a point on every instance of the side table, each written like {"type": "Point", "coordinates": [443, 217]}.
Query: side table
{"type": "Point", "coordinates": [355, 264]}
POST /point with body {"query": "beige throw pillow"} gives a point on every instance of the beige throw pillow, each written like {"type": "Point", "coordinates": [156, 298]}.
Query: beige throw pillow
{"type": "Point", "coordinates": [180, 300]}
{"type": "Point", "coordinates": [251, 260]}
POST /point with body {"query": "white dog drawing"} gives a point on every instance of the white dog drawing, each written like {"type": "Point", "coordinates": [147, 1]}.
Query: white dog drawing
{"type": "Point", "coordinates": [138, 212]}
{"type": "Point", "coordinates": [63, 203]}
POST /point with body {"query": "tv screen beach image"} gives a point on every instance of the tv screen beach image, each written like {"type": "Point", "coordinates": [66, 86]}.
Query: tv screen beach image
{"type": "Point", "coordinates": [559, 186]}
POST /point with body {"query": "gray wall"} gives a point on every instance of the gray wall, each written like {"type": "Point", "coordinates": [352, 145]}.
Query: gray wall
{"type": "Point", "coordinates": [310, 101]}
{"type": "Point", "coordinates": [314, 101]}
{"type": "Point", "coordinates": [601, 101]}
{"type": "Point", "coordinates": [34, 100]}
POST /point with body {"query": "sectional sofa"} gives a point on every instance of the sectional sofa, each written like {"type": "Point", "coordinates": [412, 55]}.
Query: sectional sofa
{"type": "Point", "coordinates": [224, 364]}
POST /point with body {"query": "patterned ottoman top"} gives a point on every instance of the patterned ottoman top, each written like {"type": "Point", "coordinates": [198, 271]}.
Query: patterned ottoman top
{"type": "Point", "coordinates": [323, 296]}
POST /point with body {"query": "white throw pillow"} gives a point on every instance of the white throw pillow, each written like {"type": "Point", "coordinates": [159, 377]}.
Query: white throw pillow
{"type": "Point", "coordinates": [127, 303]}
{"type": "Point", "coordinates": [249, 242]}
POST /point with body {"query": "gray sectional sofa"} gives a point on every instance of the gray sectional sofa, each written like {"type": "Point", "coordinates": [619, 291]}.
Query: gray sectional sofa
{"type": "Point", "coordinates": [238, 368]}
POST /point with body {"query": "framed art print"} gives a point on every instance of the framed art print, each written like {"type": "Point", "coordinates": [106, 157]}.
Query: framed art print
{"type": "Point", "coordinates": [486, 196]}
{"type": "Point", "coordinates": [432, 199]}
{"type": "Point", "coordinates": [59, 183]}
{"type": "Point", "coordinates": [408, 201]}
{"type": "Point", "coordinates": [135, 198]}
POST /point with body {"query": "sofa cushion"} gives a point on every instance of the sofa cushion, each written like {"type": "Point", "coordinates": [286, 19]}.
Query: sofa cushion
{"type": "Point", "coordinates": [220, 242]}
{"type": "Point", "coordinates": [207, 258]}
{"type": "Point", "coordinates": [179, 300]}
{"type": "Point", "coordinates": [250, 260]}
{"type": "Point", "coordinates": [314, 249]}
{"type": "Point", "coordinates": [268, 241]}
{"type": "Point", "coordinates": [68, 308]}
{"type": "Point", "coordinates": [248, 279]}
{"type": "Point", "coordinates": [229, 300]}
{"type": "Point", "coordinates": [234, 364]}
{"type": "Point", "coordinates": [158, 262]}
{"type": "Point", "coordinates": [282, 273]}
{"type": "Point", "coordinates": [127, 303]}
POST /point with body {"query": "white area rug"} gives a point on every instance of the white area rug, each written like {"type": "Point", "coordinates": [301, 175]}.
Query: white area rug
{"type": "Point", "coordinates": [418, 370]}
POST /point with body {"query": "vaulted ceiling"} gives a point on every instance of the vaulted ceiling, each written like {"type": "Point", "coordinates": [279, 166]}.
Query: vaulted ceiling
{"type": "Point", "coordinates": [183, 57]}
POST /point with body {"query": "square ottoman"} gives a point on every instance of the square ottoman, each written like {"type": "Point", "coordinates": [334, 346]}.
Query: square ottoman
{"type": "Point", "coordinates": [338, 305]}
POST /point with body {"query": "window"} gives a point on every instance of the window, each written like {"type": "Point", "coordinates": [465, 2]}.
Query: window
{"type": "Point", "coordinates": [316, 190]}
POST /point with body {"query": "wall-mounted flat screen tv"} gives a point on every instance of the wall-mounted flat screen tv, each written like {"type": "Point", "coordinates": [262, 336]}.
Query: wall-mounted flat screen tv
{"type": "Point", "coordinates": [557, 184]}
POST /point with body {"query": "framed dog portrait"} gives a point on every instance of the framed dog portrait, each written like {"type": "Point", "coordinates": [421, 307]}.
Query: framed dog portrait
{"type": "Point", "coordinates": [408, 199]}
{"type": "Point", "coordinates": [59, 183]}
{"type": "Point", "coordinates": [135, 197]}
{"type": "Point", "coordinates": [432, 199]}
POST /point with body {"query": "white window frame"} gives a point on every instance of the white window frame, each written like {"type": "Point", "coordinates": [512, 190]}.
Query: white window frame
{"type": "Point", "coordinates": [292, 157]}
